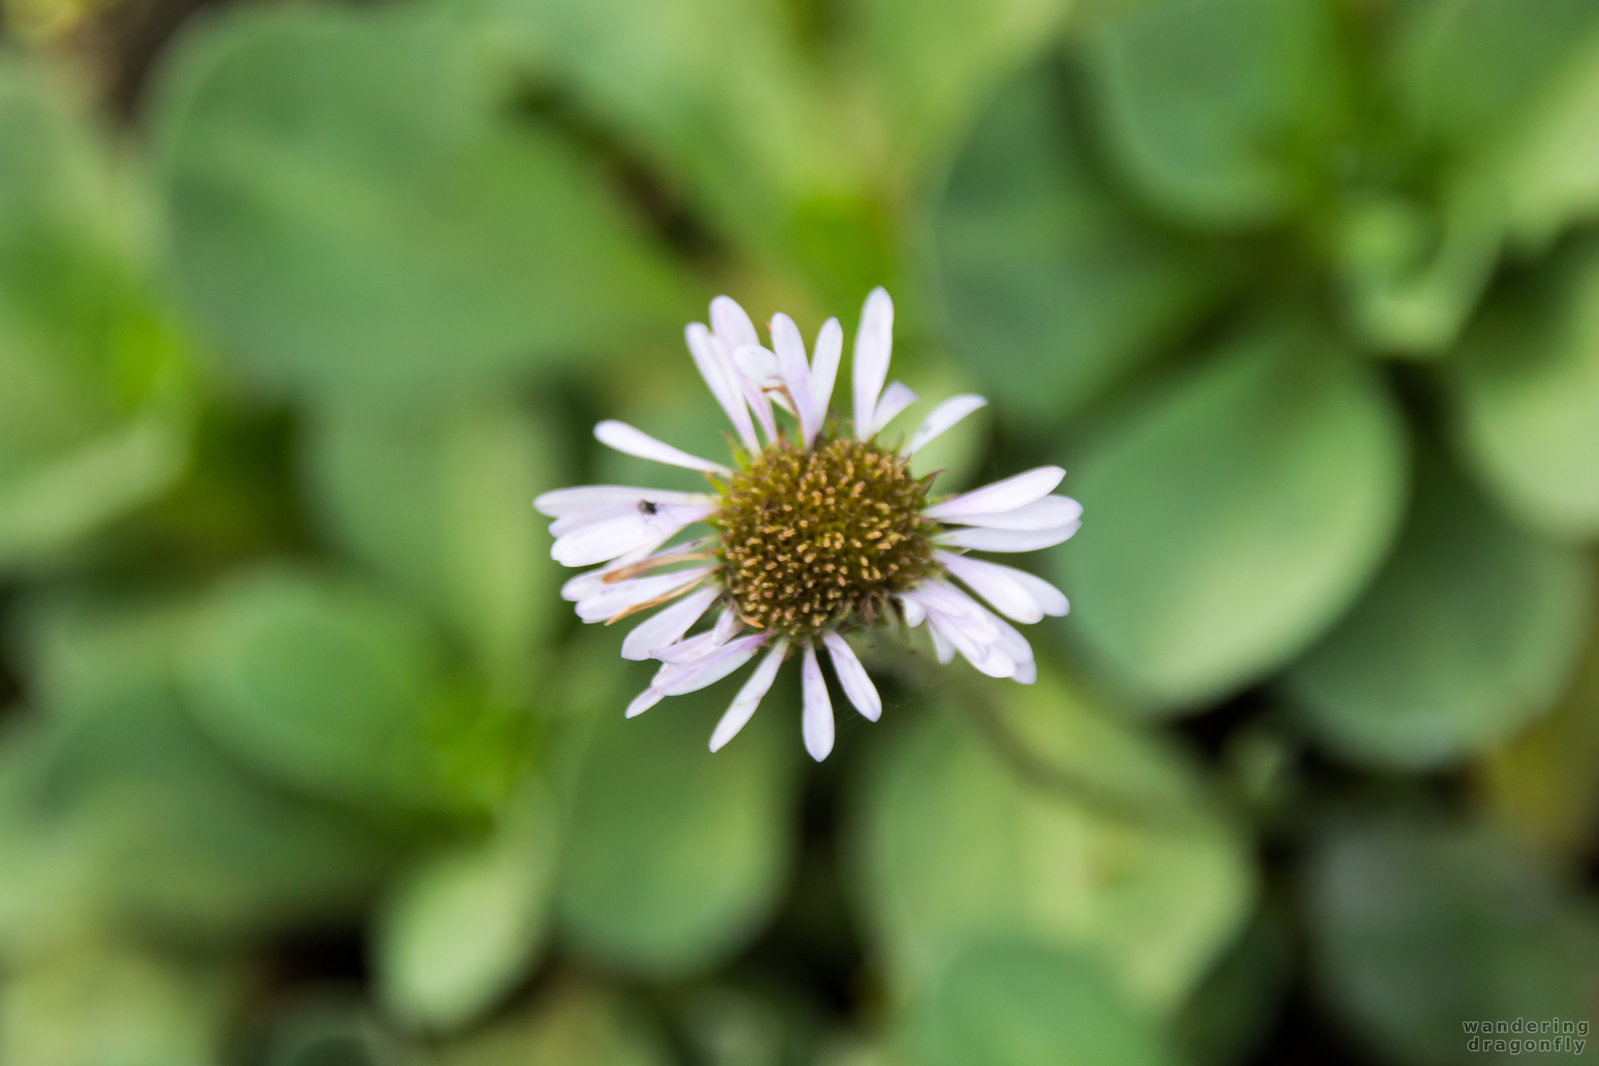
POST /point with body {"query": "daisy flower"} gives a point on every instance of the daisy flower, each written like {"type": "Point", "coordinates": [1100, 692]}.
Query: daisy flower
{"type": "Point", "coordinates": [817, 534]}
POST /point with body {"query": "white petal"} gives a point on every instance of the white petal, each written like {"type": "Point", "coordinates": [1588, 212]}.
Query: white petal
{"type": "Point", "coordinates": [1049, 513]}
{"type": "Point", "coordinates": [852, 676]}
{"type": "Point", "coordinates": [995, 584]}
{"type": "Point", "coordinates": [590, 582]}
{"type": "Point", "coordinates": [895, 399]}
{"type": "Point", "coordinates": [733, 327]}
{"type": "Point", "coordinates": [621, 596]}
{"type": "Point", "coordinates": [1005, 540]}
{"type": "Point", "coordinates": [656, 516]}
{"type": "Point", "coordinates": [644, 701]}
{"type": "Point", "coordinates": [824, 365]}
{"type": "Point", "coordinates": [717, 370]}
{"type": "Point", "coordinates": [563, 502]}
{"type": "Point", "coordinates": [817, 717]}
{"type": "Point", "coordinates": [630, 441]}
{"type": "Point", "coordinates": [796, 374]}
{"type": "Point", "coordinates": [1003, 495]}
{"type": "Point", "coordinates": [749, 697]}
{"type": "Point", "coordinates": [1051, 600]}
{"type": "Point", "coordinates": [873, 342]}
{"type": "Point", "coordinates": [607, 540]}
{"type": "Point", "coordinates": [942, 649]}
{"type": "Point", "coordinates": [667, 626]}
{"type": "Point", "coordinates": [941, 418]}
{"type": "Point", "coordinates": [981, 654]}
{"type": "Point", "coordinates": [944, 599]}
{"type": "Point", "coordinates": [915, 613]}
{"type": "Point", "coordinates": [711, 669]}
{"type": "Point", "coordinates": [702, 644]}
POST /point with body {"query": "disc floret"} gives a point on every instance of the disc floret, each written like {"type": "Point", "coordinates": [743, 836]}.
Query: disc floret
{"type": "Point", "coordinates": [820, 538]}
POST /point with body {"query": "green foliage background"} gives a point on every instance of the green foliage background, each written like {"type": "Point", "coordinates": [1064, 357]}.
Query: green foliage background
{"type": "Point", "coordinates": [304, 763]}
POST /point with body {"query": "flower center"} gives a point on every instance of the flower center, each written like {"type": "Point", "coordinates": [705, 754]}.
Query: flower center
{"type": "Point", "coordinates": [812, 539]}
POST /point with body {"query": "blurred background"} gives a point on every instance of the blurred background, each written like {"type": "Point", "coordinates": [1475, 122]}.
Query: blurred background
{"type": "Point", "coordinates": [303, 762]}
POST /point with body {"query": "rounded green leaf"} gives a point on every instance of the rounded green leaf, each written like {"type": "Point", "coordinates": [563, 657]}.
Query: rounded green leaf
{"type": "Point", "coordinates": [438, 503]}
{"type": "Point", "coordinates": [1055, 288]}
{"type": "Point", "coordinates": [1013, 1003]}
{"type": "Point", "coordinates": [570, 1024]}
{"type": "Point", "coordinates": [1221, 111]}
{"type": "Point", "coordinates": [327, 687]}
{"type": "Point", "coordinates": [675, 856]}
{"type": "Point", "coordinates": [1469, 631]}
{"type": "Point", "coordinates": [1526, 389]}
{"type": "Point", "coordinates": [952, 841]}
{"type": "Point", "coordinates": [1421, 930]}
{"type": "Point", "coordinates": [357, 209]}
{"type": "Point", "coordinates": [464, 925]}
{"type": "Point", "coordinates": [1234, 517]}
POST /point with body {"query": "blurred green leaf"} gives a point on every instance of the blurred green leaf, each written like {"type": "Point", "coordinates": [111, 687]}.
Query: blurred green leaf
{"type": "Point", "coordinates": [1542, 783]}
{"type": "Point", "coordinates": [120, 810]}
{"type": "Point", "coordinates": [935, 63]}
{"type": "Point", "coordinates": [1234, 516]}
{"type": "Point", "coordinates": [674, 856]}
{"type": "Point", "coordinates": [1055, 288]}
{"type": "Point", "coordinates": [330, 687]}
{"type": "Point", "coordinates": [736, 118]}
{"type": "Point", "coordinates": [438, 502]}
{"type": "Point", "coordinates": [1013, 1003]}
{"type": "Point", "coordinates": [357, 210]}
{"type": "Point", "coordinates": [1507, 89]}
{"type": "Point", "coordinates": [330, 1027]}
{"type": "Point", "coordinates": [571, 1024]}
{"type": "Point", "coordinates": [1468, 632]}
{"type": "Point", "coordinates": [1526, 389]}
{"type": "Point", "coordinates": [88, 355]}
{"type": "Point", "coordinates": [1419, 927]}
{"type": "Point", "coordinates": [1222, 112]}
{"type": "Point", "coordinates": [1156, 899]}
{"type": "Point", "coordinates": [112, 1005]}
{"type": "Point", "coordinates": [463, 926]}
{"type": "Point", "coordinates": [1234, 1011]}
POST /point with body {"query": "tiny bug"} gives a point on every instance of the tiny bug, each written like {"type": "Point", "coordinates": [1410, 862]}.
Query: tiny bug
{"type": "Point", "coordinates": [647, 507]}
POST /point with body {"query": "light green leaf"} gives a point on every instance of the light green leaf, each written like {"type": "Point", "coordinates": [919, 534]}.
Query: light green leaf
{"type": "Point", "coordinates": [438, 503]}
{"type": "Point", "coordinates": [1526, 390]}
{"type": "Point", "coordinates": [935, 63]}
{"type": "Point", "coordinates": [1223, 112]}
{"type": "Point", "coordinates": [90, 359]}
{"type": "Point", "coordinates": [1055, 288]}
{"type": "Point", "coordinates": [1469, 631]}
{"type": "Point", "coordinates": [357, 210]}
{"type": "Point", "coordinates": [952, 842]}
{"type": "Point", "coordinates": [328, 687]}
{"type": "Point", "coordinates": [573, 1023]}
{"type": "Point", "coordinates": [675, 856]}
{"type": "Point", "coordinates": [464, 925]}
{"type": "Point", "coordinates": [1015, 1003]}
{"type": "Point", "coordinates": [113, 1005]}
{"type": "Point", "coordinates": [1419, 928]}
{"type": "Point", "coordinates": [1230, 520]}
{"type": "Point", "coordinates": [1509, 90]}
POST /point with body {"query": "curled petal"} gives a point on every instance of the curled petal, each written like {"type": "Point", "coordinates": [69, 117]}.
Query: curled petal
{"type": "Point", "coordinates": [1003, 495]}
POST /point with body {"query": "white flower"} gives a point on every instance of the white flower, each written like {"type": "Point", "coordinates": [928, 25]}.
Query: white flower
{"type": "Point", "coordinates": [812, 536]}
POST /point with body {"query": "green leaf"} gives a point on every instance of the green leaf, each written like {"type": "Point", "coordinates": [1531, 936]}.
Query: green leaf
{"type": "Point", "coordinates": [935, 63]}
{"type": "Point", "coordinates": [90, 359]}
{"type": "Point", "coordinates": [356, 210]}
{"type": "Point", "coordinates": [328, 687]}
{"type": "Point", "coordinates": [1222, 112]}
{"type": "Point", "coordinates": [1508, 90]}
{"type": "Point", "coordinates": [1015, 1003]}
{"type": "Point", "coordinates": [1055, 288]}
{"type": "Point", "coordinates": [112, 1005]}
{"type": "Point", "coordinates": [438, 503]}
{"type": "Point", "coordinates": [572, 1023]}
{"type": "Point", "coordinates": [738, 120]}
{"type": "Point", "coordinates": [1469, 631]}
{"type": "Point", "coordinates": [674, 857]}
{"type": "Point", "coordinates": [1525, 384]}
{"type": "Point", "coordinates": [1419, 927]}
{"type": "Point", "coordinates": [1157, 893]}
{"type": "Point", "coordinates": [464, 925]}
{"type": "Point", "coordinates": [121, 810]}
{"type": "Point", "coordinates": [1231, 519]}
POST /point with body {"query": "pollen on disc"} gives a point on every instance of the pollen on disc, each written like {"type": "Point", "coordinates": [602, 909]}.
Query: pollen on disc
{"type": "Point", "coordinates": [823, 537]}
